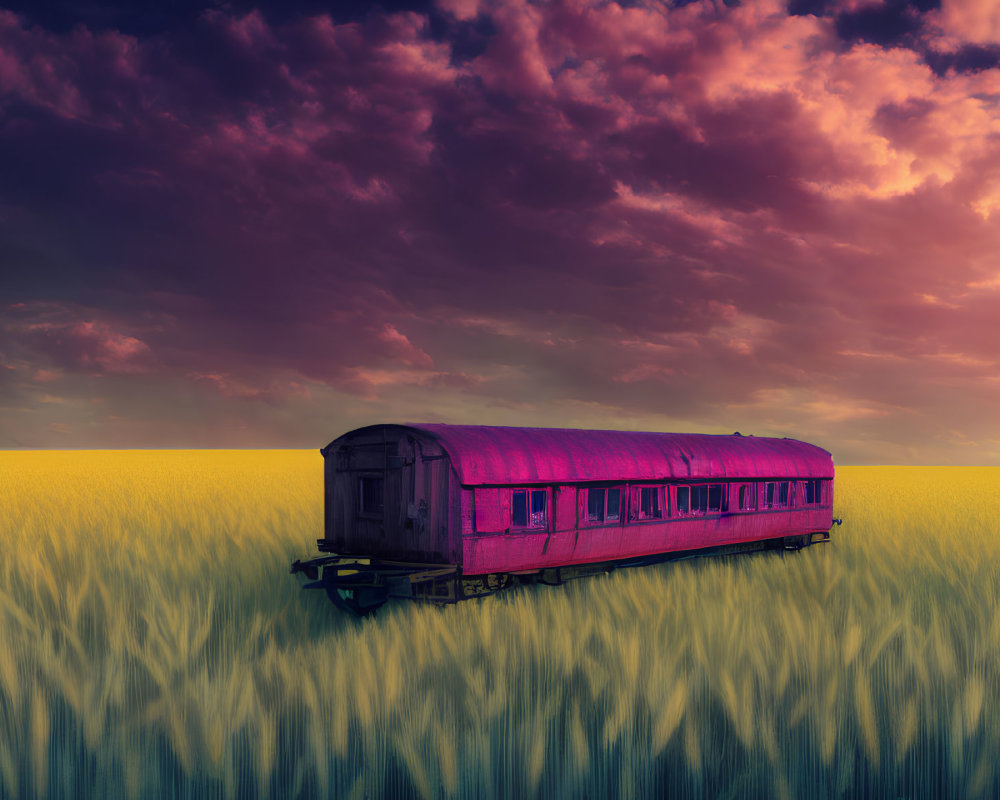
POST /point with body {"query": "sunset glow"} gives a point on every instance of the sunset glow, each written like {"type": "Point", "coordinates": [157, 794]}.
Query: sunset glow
{"type": "Point", "coordinates": [259, 228]}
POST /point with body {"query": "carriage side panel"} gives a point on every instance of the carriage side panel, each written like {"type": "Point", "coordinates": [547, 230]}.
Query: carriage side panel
{"type": "Point", "coordinates": [485, 553]}
{"type": "Point", "coordinates": [565, 499]}
{"type": "Point", "coordinates": [467, 503]}
{"type": "Point", "coordinates": [489, 517]}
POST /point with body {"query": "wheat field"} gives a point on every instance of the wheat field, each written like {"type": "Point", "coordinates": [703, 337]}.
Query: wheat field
{"type": "Point", "coordinates": [154, 644]}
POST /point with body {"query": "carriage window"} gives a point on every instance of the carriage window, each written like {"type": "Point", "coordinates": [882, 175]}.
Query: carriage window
{"type": "Point", "coordinates": [649, 503]}
{"type": "Point", "coordinates": [683, 499]}
{"type": "Point", "coordinates": [748, 497]}
{"type": "Point", "coordinates": [715, 498]}
{"type": "Point", "coordinates": [595, 505]}
{"type": "Point", "coordinates": [519, 509]}
{"type": "Point", "coordinates": [704, 499]}
{"type": "Point", "coordinates": [371, 495]}
{"type": "Point", "coordinates": [776, 494]}
{"type": "Point", "coordinates": [812, 492]}
{"type": "Point", "coordinates": [604, 505]}
{"type": "Point", "coordinates": [699, 499]}
{"type": "Point", "coordinates": [527, 508]}
{"type": "Point", "coordinates": [614, 504]}
{"type": "Point", "coordinates": [538, 499]}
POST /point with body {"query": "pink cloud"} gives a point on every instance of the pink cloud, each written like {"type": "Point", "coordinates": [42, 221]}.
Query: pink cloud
{"type": "Point", "coordinates": [461, 9]}
{"type": "Point", "coordinates": [268, 388]}
{"type": "Point", "coordinates": [51, 71]}
{"type": "Point", "coordinates": [375, 384]}
{"type": "Point", "coordinates": [230, 387]}
{"type": "Point", "coordinates": [401, 348]}
{"type": "Point", "coordinates": [514, 62]}
{"type": "Point", "coordinates": [45, 375]}
{"type": "Point", "coordinates": [89, 345]}
{"type": "Point", "coordinates": [645, 372]}
{"type": "Point", "coordinates": [970, 20]}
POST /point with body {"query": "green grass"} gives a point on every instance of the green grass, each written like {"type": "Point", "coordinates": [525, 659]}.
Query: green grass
{"type": "Point", "coordinates": [153, 644]}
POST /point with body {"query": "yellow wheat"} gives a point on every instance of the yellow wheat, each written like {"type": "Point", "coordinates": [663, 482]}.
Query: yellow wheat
{"type": "Point", "coordinates": [146, 597]}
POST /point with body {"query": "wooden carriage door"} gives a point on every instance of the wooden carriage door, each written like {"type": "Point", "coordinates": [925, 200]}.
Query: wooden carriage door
{"type": "Point", "coordinates": [382, 532]}
{"type": "Point", "coordinates": [409, 523]}
{"type": "Point", "coordinates": [393, 499]}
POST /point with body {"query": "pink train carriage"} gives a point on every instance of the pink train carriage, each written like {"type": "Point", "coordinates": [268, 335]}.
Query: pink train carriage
{"type": "Point", "coordinates": [445, 512]}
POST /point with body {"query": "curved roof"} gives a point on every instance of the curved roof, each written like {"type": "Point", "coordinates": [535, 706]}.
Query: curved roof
{"type": "Point", "coordinates": [495, 455]}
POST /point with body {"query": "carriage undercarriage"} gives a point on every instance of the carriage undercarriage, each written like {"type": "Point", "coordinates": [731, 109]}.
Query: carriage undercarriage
{"type": "Point", "coordinates": [361, 585]}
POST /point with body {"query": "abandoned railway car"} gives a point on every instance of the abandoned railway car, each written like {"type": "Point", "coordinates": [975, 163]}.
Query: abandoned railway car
{"type": "Point", "coordinates": [442, 512]}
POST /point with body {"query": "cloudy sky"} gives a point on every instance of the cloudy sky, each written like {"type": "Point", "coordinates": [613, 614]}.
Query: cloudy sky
{"type": "Point", "coordinates": [252, 225]}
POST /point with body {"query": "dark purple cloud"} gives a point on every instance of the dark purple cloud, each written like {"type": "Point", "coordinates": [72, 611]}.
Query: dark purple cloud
{"type": "Point", "coordinates": [884, 23]}
{"type": "Point", "coordinates": [252, 227]}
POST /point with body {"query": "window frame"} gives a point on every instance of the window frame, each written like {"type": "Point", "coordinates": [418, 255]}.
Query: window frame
{"type": "Point", "coordinates": [750, 490]}
{"type": "Point", "coordinates": [530, 491]}
{"type": "Point", "coordinates": [659, 492]}
{"type": "Point", "coordinates": [772, 495]}
{"type": "Point", "coordinates": [587, 522]}
{"type": "Point", "coordinates": [678, 510]}
{"type": "Point", "coordinates": [367, 513]}
{"type": "Point", "coordinates": [695, 491]}
{"type": "Point", "coordinates": [817, 492]}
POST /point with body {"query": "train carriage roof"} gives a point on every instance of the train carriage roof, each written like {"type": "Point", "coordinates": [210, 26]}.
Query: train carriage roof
{"type": "Point", "coordinates": [485, 455]}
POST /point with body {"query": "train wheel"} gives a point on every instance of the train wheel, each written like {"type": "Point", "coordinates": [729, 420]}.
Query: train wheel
{"type": "Point", "coordinates": [496, 582]}
{"type": "Point", "coordinates": [359, 601]}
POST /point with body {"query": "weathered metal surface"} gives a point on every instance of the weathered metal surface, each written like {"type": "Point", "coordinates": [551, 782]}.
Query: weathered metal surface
{"type": "Point", "coordinates": [492, 514]}
{"type": "Point", "coordinates": [447, 493]}
{"type": "Point", "coordinates": [565, 514]}
{"type": "Point", "coordinates": [483, 455]}
{"type": "Point", "coordinates": [485, 553]}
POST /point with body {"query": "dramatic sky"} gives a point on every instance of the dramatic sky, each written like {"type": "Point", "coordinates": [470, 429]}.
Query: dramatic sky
{"type": "Point", "coordinates": [259, 225]}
